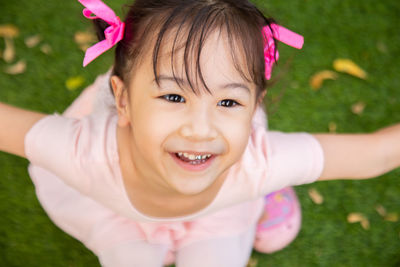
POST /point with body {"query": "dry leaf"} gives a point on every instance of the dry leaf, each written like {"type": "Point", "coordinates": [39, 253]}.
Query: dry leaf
{"type": "Point", "coordinates": [252, 262]}
{"type": "Point", "coordinates": [46, 49]}
{"type": "Point", "coordinates": [9, 51]}
{"type": "Point", "coordinates": [356, 217]}
{"type": "Point", "coordinates": [349, 67]}
{"type": "Point", "coordinates": [358, 108]}
{"type": "Point", "coordinates": [381, 210]}
{"type": "Point", "coordinates": [33, 41]}
{"type": "Point", "coordinates": [365, 224]}
{"type": "Point", "coordinates": [74, 83]}
{"type": "Point", "coordinates": [391, 217]}
{"type": "Point", "coordinates": [315, 196]}
{"type": "Point", "coordinates": [85, 39]}
{"type": "Point", "coordinates": [332, 127]}
{"type": "Point", "coordinates": [8, 31]}
{"type": "Point", "coordinates": [17, 68]}
{"type": "Point", "coordinates": [318, 78]}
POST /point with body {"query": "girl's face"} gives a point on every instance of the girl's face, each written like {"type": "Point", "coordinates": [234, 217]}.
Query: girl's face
{"type": "Point", "coordinates": [181, 141]}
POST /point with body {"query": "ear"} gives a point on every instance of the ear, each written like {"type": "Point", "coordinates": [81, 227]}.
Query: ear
{"type": "Point", "coordinates": [121, 101]}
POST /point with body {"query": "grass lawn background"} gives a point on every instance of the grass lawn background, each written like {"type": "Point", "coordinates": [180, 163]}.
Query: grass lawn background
{"type": "Point", "coordinates": [365, 31]}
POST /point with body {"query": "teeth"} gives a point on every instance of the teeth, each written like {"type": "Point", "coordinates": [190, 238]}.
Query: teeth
{"type": "Point", "coordinates": [193, 156]}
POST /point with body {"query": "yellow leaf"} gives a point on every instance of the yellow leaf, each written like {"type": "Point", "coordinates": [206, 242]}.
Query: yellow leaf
{"type": "Point", "coordinates": [349, 67]}
{"type": "Point", "coordinates": [33, 41]}
{"type": "Point", "coordinates": [74, 83]}
{"type": "Point", "coordinates": [46, 49]}
{"type": "Point", "coordinates": [365, 224]}
{"type": "Point", "coordinates": [391, 217]}
{"type": "Point", "coordinates": [357, 217]}
{"type": "Point", "coordinates": [358, 108]}
{"type": "Point", "coordinates": [315, 196]}
{"type": "Point", "coordinates": [318, 78]}
{"type": "Point", "coordinates": [9, 51]}
{"type": "Point", "coordinates": [381, 210]}
{"type": "Point", "coordinates": [85, 37]}
{"type": "Point", "coordinates": [17, 68]}
{"type": "Point", "coordinates": [8, 31]}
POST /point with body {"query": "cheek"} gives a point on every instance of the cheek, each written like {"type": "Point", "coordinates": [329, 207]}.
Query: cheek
{"type": "Point", "coordinates": [237, 135]}
{"type": "Point", "coordinates": [151, 129]}
{"type": "Point", "coordinates": [240, 139]}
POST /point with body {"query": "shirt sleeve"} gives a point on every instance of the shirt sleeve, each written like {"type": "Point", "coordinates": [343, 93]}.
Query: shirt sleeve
{"type": "Point", "coordinates": [63, 146]}
{"type": "Point", "coordinates": [290, 159]}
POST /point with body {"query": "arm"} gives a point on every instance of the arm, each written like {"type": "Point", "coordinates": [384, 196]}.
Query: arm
{"type": "Point", "coordinates": [358, 156]}
{"type": "Point", "coordinates": [15, 123]}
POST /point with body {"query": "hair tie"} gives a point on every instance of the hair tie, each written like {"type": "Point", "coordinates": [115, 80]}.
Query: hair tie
{"type": "Point", "coordinates": [113, 34]}
{"type": "Point", "coordinates": [271, 55]}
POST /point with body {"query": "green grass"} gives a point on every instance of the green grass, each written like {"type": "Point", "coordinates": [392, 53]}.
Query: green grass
{"type": "Point", "coordinates": [332, 29]}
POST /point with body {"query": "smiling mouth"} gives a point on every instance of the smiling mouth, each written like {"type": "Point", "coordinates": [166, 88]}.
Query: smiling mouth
{"type": "Point", "coordinates": [193, 158]}
{"type": "Point", "coordinates": [193, 161]}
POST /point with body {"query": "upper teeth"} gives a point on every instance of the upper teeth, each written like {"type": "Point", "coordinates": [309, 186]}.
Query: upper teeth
{"type": "Point", "coordinates": [193, 156]}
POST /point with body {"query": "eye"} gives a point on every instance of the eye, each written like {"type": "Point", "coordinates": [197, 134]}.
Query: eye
{"type": "Point", "coordinates": [228, 103]}
{"type": "Point", "coordinates": [173, 98]}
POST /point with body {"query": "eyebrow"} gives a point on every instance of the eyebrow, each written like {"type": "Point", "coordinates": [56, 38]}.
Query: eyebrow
{"type": "Point", "coordinates": [182, 81]}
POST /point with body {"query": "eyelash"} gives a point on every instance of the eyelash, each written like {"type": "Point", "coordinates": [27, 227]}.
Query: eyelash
{"type": "Point", "coordinates": [174, 98]}
{"type": "Point", "coordinates": [229, 103]}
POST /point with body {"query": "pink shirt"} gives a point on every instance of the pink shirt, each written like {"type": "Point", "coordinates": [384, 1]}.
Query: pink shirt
{"type": "Point", "coordinates": [83, 153]}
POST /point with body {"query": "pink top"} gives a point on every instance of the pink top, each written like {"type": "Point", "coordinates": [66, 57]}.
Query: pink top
{"type": "Point", "coordinates": [83, 153]}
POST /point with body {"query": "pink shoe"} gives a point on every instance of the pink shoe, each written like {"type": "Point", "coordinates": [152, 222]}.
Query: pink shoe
{"type": "Point", "coordinates": [280, 223]}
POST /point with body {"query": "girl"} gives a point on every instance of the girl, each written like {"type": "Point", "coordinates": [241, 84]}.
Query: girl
{"type": "Point", "coordinates": [176, 168]}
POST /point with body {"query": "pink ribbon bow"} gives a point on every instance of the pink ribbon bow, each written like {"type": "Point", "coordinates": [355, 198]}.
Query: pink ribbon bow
{"type": "Point", "coordinates": [114, 33]}
{"type": "Point", "coordinates": [282, 34]}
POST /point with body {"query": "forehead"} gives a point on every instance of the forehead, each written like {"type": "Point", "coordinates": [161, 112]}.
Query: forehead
{"type": "Point", "coordinates": [202, 61]}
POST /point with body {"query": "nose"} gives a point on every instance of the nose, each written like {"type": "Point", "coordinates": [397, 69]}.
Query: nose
{"type": "Point", "coordinates": [199, 126]}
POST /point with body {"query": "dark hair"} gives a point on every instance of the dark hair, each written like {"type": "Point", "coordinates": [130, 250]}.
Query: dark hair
{"type": "Point", "coordinates": [192, 21]}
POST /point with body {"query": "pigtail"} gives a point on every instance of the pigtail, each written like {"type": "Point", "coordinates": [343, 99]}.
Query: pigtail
{"type": "Point", "coordinates": [100, 26]}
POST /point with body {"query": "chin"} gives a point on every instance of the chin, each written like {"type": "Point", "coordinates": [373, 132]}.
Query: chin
{"type": "Point", "coordinates": [191, 187]}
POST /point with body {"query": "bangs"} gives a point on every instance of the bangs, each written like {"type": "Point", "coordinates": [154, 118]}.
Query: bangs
{"type": "Point", "coordinates": [189, 25]}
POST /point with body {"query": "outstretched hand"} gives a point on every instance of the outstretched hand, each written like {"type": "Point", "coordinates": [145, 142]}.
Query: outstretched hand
{"type": "Point", "coordinates": [360, 156]}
